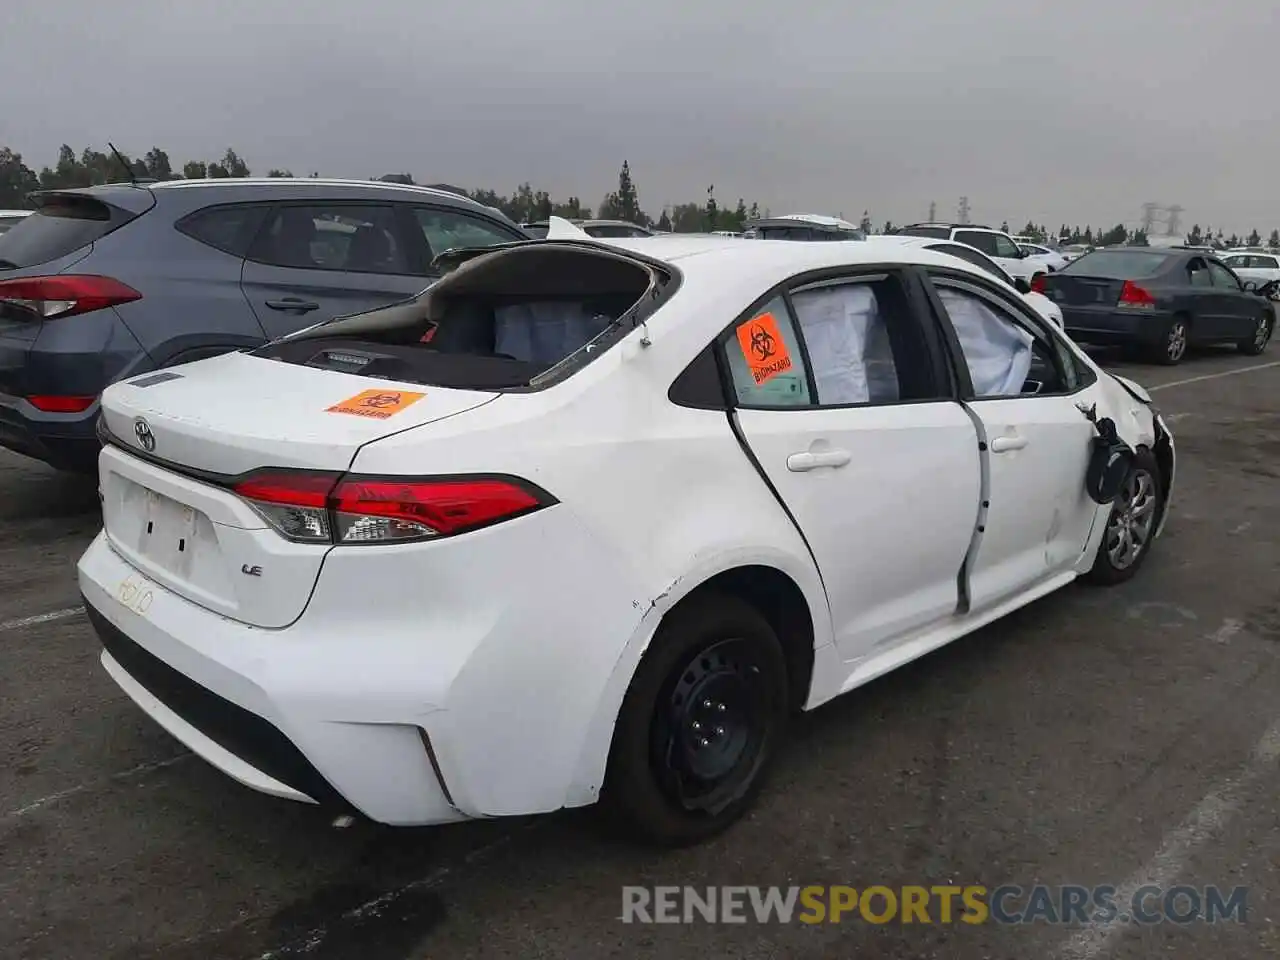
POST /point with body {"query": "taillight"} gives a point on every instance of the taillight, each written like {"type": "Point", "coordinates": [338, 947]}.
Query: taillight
{"type": "Point", "coordinates": [51, 298]}
{"type": "Point", "coordinates": [1132, 295]}
{"type": "Point", "coordinates": [60, 404]}
{"type": "Point", "coordinates": [311, 507]}
{"type": "Point", "coordinates": [1038, 284]}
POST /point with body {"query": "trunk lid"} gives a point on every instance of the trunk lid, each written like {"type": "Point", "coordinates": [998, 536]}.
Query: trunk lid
{"type": "Point", "coordinates": [1070, 290]}
{"type": "Point", "coordinates": [284, 415]}
{"type": "Point", "coordinates": [185, 528]}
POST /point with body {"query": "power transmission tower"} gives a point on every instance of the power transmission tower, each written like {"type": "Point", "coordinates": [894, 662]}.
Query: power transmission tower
{"type": "Point", "coordinates": [962, 214]}
{"type": "Point", "coordinates": [933, 211]}
{"type": "Point", "coordinates": [1175, 220]}
{"type": "Point", "coordinates": [1150, 213]}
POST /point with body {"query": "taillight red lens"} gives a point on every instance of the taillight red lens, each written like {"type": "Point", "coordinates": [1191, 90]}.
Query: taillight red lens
{"type": "Point", "coordinates": [1132, 295]}
{"type": "Point", "coordinates": [51, 298]}
{"type": "Point", "coordinates": [325, 508]}
{"type": "Point", "coordinates": [294, 502]}
{"type": "Point", "coordinates": [61, 404]}
{"type": "Point", "coordinates": [1038, 284]}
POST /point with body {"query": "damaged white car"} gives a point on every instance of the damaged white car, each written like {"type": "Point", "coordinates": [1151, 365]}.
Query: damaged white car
{"type": "Point", "coordinates": [588, 519]}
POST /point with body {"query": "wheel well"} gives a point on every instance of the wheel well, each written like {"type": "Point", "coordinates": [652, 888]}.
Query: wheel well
{"type": "Point", "coordinates": [782, 603]}
{"type": "Point", "coordinates": [1164, 459]}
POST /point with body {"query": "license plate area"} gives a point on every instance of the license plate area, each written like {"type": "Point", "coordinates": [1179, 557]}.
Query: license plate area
{"type": "Point", "coordinates": [165, 532]}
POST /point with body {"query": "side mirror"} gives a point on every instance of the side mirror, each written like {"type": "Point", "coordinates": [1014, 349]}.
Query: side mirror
{"type": "Point", "coordinates": [1249, 286]}
{"type": "Point", "coordinates": [1021, 285]}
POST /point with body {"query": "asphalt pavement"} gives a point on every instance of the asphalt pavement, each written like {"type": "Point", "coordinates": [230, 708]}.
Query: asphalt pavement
{"type": "Point", "coordinates": [1124, 737]}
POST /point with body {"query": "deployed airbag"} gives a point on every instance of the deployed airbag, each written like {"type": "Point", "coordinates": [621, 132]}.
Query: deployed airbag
{"type": "Point", "coordinates": [997, 352]}
{"type": "Point", "coordinates": [848, 344]}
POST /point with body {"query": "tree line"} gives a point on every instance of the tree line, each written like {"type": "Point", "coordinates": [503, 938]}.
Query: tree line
{"type": "Point", "coordinates": [523, 205]}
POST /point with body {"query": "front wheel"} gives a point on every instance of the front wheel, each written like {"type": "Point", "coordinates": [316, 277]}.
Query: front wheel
{"type": "Point", "coordinates": [700, 722]}
{"type": "Point", "coordinates": [1131, 525]}
{"type": "Point", "coordinates": [1254, 345]}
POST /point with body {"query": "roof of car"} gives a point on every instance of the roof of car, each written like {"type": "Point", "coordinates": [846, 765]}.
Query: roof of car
{"type": "Point", "coordinates": [296, 186]}
{"type": "Point", "coordinates": [949, 226]}
{"type": "Point", "coordinates": [767, 262]}
{"type": "Point", "coordinates": [306, 183]}
{"type": "Point", "coordinates": [817, 219]}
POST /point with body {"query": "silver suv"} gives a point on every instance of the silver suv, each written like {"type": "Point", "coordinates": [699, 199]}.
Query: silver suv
{"type": "Point", "coordinates": [107, 282]}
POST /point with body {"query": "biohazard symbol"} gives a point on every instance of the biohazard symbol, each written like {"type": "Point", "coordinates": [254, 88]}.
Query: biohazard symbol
{"type": "Point", "coordinates": [380, 400]}
{"type": "Point", "coordinates": [376, 404]}
{"type": "Point", "coordinates": [763, 348]}
{"type": "Point", "coordinates": [763, 345]}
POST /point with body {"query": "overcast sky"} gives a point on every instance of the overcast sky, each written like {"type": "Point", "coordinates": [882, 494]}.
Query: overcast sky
{"type": "Point", "coordinates": [1069, 110]}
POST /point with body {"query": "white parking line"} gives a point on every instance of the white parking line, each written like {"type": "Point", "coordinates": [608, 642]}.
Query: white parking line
{"type": "Point", "coordinates": [1213, 376]}
{"type": "Point", "coordinates": [313, 939]}
{"type": "Point", "coordinates": [1208, 818]}
{"type": "Point", "coordinates": [40, 618]}
{"type": "Point", "coordinates": [80, 788]}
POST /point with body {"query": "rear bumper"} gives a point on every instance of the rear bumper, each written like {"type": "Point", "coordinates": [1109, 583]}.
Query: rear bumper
{"type": "Point", "coordinates": [64, 441]}
{"type": "Point", "coordinates": [1109, 325]}
{"type": "Point", "coordinates": [474, 692]}
{"type": "Point", "coordinates": [77, 357]}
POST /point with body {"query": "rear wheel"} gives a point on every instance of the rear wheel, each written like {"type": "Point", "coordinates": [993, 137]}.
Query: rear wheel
{"type": "Point", "coordinates": [700, 722]}
{"type": "Point", "coordinates": [1254, 345]}
{"type": "Point", "coordinates": [1173, 347]}
{"type": "Point", "coordinates": [1131, 525]}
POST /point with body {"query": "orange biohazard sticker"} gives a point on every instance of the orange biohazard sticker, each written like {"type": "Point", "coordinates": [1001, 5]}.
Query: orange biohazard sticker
{"type": "Point", "coordinates": [762, 346]}
{"type": "Point", "coordinates": [376, 404]}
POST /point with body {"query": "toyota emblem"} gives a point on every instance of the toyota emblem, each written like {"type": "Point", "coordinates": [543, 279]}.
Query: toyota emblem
{"type": "Point", "coordinates": [142, 430]}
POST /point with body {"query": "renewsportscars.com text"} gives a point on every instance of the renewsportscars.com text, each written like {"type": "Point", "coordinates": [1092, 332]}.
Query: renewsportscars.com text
{"type": "Point", "coordinates": [1006, 904]}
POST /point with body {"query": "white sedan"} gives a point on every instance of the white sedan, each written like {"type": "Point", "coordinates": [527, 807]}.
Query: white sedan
{"type": "Point", "coordinates": [1038, 301]}
{"type": "Point", "coordinates": [1052, 259]}
{"type": "Point", "coordinates": [587, 519]}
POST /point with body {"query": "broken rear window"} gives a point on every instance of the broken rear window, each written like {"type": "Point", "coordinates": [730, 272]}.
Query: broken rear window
{"type": "Point", "coordinates": [519, 318]}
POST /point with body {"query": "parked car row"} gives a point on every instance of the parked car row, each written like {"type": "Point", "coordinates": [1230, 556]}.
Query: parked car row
{"type": "Point", "coordinates": [615, 507]}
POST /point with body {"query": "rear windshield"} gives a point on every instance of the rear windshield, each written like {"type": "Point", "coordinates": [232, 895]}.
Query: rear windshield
{"type": "Point", "coordinates": [1117, 265]}
{"type": "Point", "coordinates": [937, 233]}
{"type": "Point", "coordinates": [63, 224]}
{"type": "Point", "coordinates": [521, 318]}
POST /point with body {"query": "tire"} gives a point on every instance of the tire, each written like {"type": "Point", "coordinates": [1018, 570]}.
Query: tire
{"type": "Point", "coordinates": [1253, 346]}
{"type": "Point", "coordinates": [1111, 567]}
{"type": "Point", "coordinates": [713, 659]}
{"type": "Point", "coordinates": [1172, 348]}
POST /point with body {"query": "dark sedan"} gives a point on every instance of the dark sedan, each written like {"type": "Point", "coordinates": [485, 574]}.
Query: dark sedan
{"type": "Point", "coordinates": [1159, 302]}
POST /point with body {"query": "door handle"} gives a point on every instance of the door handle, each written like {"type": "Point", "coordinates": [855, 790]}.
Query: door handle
{"type": "Point", "coordinates": [1004, 444]}
{"type": "Point", "coordinates": [802, 462]}
{"type": "Point", "coordinates": [293, 304]}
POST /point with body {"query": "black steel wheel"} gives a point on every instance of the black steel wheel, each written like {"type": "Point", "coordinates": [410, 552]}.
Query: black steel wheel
{"type": "Point", "coordinates": [700, 722]}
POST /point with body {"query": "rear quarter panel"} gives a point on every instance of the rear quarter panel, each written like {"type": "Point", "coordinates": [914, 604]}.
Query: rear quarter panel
{"type": "Point", "coordinates": [664, 496]}
{"type": "Point", "coordinates": [191, 296]}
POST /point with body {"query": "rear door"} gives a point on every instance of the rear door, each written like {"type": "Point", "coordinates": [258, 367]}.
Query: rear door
{"type": "Point", "coordinates": [315, 261]}
{"type": "Point", "coordinates": [846, 413]}
{"type": "Point", "coordinates": [1240, 310]}
{"type": "Point", "coordinates": [1024, 388]}
{"type": "Point", "coordinates": [1211, 319]}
